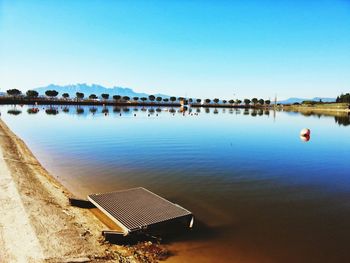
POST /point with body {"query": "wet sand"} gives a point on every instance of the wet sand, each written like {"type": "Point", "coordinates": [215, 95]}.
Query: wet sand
{"type": "Point", "coordinates": [37, 224]}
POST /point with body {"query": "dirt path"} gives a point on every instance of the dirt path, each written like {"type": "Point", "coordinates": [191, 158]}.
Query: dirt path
{"type": "Point", "coordinates": [24, 249]}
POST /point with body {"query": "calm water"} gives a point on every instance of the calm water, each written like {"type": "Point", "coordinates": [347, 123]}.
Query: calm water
{"type": "Point", "coordinates": [259, 193]}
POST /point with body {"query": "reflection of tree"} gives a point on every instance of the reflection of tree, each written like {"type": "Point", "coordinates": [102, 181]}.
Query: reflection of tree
{"type": "Point", "coordinates": [151, 111]}
{"type": "Point", "coordinates": [93, 110]}
{"type": "Point", "coordinates": [342, 120]}
{"type": "Point", "coordinates": [246, 112]}
{"type": "Point", "coordinates": [254, 113]}
{"type": "Point", "coordinates": [198, 110]}
{"type": "Point", "coordinates": [65, 109]}
{"type": "Point", "coordinates": [172, 110]}
{"type": "Point", "coordinates": [105, 110]}
{"type": "Point", "coordinates": [307, 113]}
{"type": "Point", "coordinates": [267, 112]}
{"type": "Point", "coordinates": [33, 110]}
{"type": "Point", "coordinates": [216, 111]}
{"type": "Point", "coordinates": [14, 112]}
{"type": "Point", "coordinates": [260, 112]}
{"type": "Point", "coordinates": [158, 110]}
{"type": "Point", "coordinates": [207, 110]}
{"type": "Point", "coordinates": [116, 109]}
{"type": "Point", "coordinates": [51, 111]}
{"type": "Point", "coordinates": [126, 109]}
{"type": "Point", "coordinates": [80, 110]}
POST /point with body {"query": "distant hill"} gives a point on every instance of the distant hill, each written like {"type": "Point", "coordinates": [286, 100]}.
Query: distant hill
{"type": "Point", "coordinates": [300, 100]}
{"type": "Point", "coordinates": [94, 89]}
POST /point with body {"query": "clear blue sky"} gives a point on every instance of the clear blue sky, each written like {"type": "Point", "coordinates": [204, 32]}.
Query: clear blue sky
{"type": "Point", "coordinates": [184, 48]}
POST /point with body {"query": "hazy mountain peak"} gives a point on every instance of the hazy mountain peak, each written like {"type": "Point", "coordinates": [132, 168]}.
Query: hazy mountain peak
{"type": "Point", "coordinates": [96, 89]}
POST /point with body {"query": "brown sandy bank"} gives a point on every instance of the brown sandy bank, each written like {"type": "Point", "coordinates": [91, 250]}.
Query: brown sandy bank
{"type": "Point", "coordinates": [37, 224]}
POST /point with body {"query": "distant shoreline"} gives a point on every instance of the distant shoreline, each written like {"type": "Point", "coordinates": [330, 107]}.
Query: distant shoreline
{"type": "Point", "coordinates": [40, 101]}
{"type": "Point", "coordinates": [324, 107]}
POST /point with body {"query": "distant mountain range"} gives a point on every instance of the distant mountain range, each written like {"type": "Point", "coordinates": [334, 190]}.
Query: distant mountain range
{"type": "Point", "coordinates": [300, 100]}
{"type": "Point", "coordinates": [94, 89]}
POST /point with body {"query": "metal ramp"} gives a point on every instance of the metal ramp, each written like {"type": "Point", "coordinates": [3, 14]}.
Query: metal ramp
{"type": "Point", "coordinates": [138, 209]}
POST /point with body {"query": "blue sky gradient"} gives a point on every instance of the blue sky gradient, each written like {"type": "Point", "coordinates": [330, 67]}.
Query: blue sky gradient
{"type": "Point", "coordinates": [185, 48]}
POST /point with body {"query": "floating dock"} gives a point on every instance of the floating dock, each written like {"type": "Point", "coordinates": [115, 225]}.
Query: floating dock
{"type": "Point", "coordinates": [138, 209]}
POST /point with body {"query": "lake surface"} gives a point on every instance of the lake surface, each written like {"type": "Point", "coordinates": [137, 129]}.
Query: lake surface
{"type": "Point", "coordinates": [259, 193]}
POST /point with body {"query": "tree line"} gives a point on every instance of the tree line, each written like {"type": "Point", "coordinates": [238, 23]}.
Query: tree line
{"type": "Point", "coordinates": [52, 94]}
{"type": "Point", "coordinates": [343, 98]}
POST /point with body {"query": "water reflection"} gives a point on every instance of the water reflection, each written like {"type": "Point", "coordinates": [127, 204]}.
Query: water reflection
{"type": "Point", "coordinates": [80, 110]}
{"type": "Point", "coordinates": [105, 111]}
{"type": "Point", "coordinates": [14, 112]}
{"type": "Point", "coordinates": [32, 110]}
{"type": "Point", "coordinates": [251, 182]}
{"type": "Point", "coordinates": [51, 111]}
{"type": "Point", "coordinates": [93, 110]}
{"type": "Point", "coordinates": [343, 120]}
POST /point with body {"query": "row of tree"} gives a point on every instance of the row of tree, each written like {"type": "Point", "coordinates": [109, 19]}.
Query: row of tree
{"type": "Point", "coordinates": [343, 98]}
{"type": "Point", "coordinates": [32, 94]}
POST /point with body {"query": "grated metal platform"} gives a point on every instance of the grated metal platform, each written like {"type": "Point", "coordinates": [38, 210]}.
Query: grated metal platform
{"type": "Point", "coordinates": [138, 208]}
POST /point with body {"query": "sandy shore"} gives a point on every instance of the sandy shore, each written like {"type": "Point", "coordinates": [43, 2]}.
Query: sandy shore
{"type": "Point", "coordinates": [37, 224]}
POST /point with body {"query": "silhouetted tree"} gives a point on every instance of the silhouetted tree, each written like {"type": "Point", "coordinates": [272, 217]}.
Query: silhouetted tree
{"type": "Point", "coordinates": [79, 95]}
{"type": "Point", "coordinates": [231, 102]}
{"type": "Point", "coordinates": [166, 100]}
{"type": "Point", "coordinates": [172, 99]}
{"type": "Point", "coordinates": [65, 95]}
{"type": "Point", "coordinates": [343, 98]}
{"type": "Point", "coordinates": [159, 99]}
{"type": "Point", "coordinates": [32, 94]}
{"type": "Point", "coordinates": [216, 100]}
{"type": "Point", "coordinates": [255, 101]}
{"type": "Point", "coordinates": [14, 92]}
{"type": "Point", "coordinates": [93, 97]}
{"type": "Point", "coordinates": [151, 97]}
{"type": "Point", "coordinates": [135, 98]}
{"type": "Point", "coordinates": [246, 102]}
{"type": "Point", "coordinates": [126, 98]}
{"type": "Point", "coordinates": [105, 96]}
{"type": "Point", "coordinates": [238, 102]}
{"type": "Point", "coordinates": [261, 102]}
{"type": "Point", "coordinates": [198, 101]}
{"type": "Point", "coordinates": [117, 98]}
{"type": "Point", "coordinates": [51, 93]}
{"type": "Point", "coordinates": [143, 99]}
{"type": "Point", "coordinates": [207, 101]}
{"type": "Point", "coordinates": [267, 102]}
{"type": "Point", "coordinates": [224, 101]}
